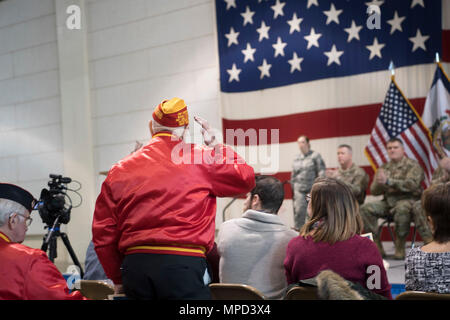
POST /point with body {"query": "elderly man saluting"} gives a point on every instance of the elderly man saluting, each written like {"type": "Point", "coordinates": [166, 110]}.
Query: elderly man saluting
{"type": "Point", "coordinates": [154, 218]}
{"type": "Point", "coordinates": [25, 273]}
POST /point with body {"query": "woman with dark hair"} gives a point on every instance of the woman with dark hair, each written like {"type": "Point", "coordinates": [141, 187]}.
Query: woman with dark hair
{"type": "Point", "coordinates": [428, 267]}
{"type": "Point", "coordinates": [331, 240]}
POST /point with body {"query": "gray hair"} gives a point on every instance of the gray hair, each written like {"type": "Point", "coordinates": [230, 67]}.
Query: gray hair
{"type": "Point", "coordinates": [178, 131]}
{"type": "Point", "coordinates": [8, 207]}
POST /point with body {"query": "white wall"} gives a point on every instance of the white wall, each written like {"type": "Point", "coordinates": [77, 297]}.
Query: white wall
{"type": "Point", "coordinates": [139, 52]}
{"type": "Point", "coordinates": [144, 51]}
{"type": "Point", "coordinates": [30, 119]}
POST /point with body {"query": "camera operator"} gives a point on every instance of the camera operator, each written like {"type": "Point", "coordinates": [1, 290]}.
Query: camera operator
{"type": "Point", "coordinates": [25, 273]}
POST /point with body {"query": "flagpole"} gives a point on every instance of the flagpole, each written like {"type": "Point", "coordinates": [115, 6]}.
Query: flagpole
{"type": "Point", "coordinates": [438, 62]}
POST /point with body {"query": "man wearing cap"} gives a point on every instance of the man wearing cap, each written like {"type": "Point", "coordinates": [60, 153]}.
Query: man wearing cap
{"type": "Point", "coordinates": [154, 219]}
{"type": "Point", "coordinates": [25, 273]}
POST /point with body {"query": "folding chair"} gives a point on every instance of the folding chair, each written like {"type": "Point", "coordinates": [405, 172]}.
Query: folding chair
{"type": "Point", "coordinates": [302, 292]}
{"type": "Point", "coordinates": [387, 221]}
{"type": "Point", "coordinates": [419, 295]}
{"type": "Point", "coordinates": [95, 289]}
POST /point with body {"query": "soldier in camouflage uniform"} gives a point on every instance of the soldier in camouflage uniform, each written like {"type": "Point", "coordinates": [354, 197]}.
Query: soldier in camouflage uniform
{"type": "Point", "coordinates": [399, 182]}
{"type": "Point", "coordinates": [307, 166]}
{"type": "Point", "coordinates": [441, 175]}
{"type": "Point", "coordinates": [349, 173]}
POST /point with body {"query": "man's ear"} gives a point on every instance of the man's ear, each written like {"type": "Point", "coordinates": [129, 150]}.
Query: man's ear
{"type": "Point", "coordinates": [256, 202]}
{"type": "Point", "coordinates": [13, 220]}
{"type": "Point", "coordinates": [150, 127]}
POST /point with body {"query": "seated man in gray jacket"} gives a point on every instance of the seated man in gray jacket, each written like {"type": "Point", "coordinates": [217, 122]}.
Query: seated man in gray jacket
{"type": "Point", "coordinates": [252, 248]}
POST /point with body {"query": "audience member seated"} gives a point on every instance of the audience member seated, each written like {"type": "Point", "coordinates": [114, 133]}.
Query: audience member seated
{"type": "Point", "coordinates": [399, 182]}
{"type": "Point", "coordinates": [252, 248]}
{"type": "Point", "coordinates": [427, 267]}
{"type": "Point", "coordinates": [93, 267]}
{"type": "Point", "coordinates": [25, 273]}
{"type": "Point", "coordinates": [331, 240]}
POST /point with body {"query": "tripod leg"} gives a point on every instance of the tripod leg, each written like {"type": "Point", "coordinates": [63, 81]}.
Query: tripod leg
{"type": "Point", "coordinates": [52, 253]}
{"type": "Point", "coordinates": [44, 245]}
{"type": "Point", "coordinates": [66, 241]}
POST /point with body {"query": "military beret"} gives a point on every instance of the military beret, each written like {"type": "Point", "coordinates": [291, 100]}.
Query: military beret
{"type": "Point", "coordinates": [17, 194]}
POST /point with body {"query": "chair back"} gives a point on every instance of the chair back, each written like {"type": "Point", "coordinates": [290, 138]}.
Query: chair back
{"type": "Point", "coordinates": [419, 295]}
{"type": "Point", "coordinates": [95, 289]}
{"type": "Point", "coordinates": [234, 291]}
{"type": "Point", "coordinates": [302, 292]}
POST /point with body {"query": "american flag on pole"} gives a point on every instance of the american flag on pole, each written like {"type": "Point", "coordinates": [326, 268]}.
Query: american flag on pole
{"type": "Point", "coordinates": [399, 119]}
{"type": "Point", "coordinates": [320, 68]}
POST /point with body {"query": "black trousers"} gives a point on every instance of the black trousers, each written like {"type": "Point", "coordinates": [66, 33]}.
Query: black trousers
{"type": "Point", "coordinates": [164, 277]}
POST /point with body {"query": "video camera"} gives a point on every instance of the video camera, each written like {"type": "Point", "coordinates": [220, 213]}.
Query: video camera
{"type": "Point", "coordinates": [54, 210]}
{"type": "Point", "coordinates": [52, 203]}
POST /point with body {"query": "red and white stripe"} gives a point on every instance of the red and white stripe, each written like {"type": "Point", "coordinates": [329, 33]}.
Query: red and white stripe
{"type": "Point", "coordinates": [329, 111]}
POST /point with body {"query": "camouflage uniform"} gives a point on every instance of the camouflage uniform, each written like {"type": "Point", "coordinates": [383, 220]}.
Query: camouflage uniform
{"type": "Point", "coordinates": [400, 193]}
{"type": "Point", "coordinates": [305, 169]}
{"type": "Point", "coordinates": [420, 220]}
{"type": "Point", "coordinates": [357, 179]}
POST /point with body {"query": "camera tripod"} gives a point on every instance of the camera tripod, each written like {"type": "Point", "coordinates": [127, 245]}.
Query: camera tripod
{"type": "Point", "coordinates": [50, 243]}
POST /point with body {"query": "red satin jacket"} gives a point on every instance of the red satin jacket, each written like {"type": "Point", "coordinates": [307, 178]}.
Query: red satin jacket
{"type": "Point", "coordinates": [162, 199]}
{"type": "Point", "coordinates": [28, 274]}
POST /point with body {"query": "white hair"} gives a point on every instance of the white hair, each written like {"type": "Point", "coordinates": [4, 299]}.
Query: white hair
{"type": "Point", "coordinates": [8, 207]}
{"type": "Point", "coordinates": [178, 131]}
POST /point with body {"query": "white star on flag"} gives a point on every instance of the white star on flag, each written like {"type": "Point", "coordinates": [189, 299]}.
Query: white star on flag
{"type": "Point", "coordinates": [234, 73]}
{"type": "Point", "coordinates": [248, 16]}
{"type": "Point", "coordinates": [248, 53]}
{"type": "Point", "coordinates": [333, 55]}
{"type": "Point", "coordinates": [417, 2]}
{"type": "Point", "coordinates": [232, 37]}
{"type": "Point", "coordinates": [377, 3]}
{"type": "Point", "coordinates": [312, 2]}
{"type": "Point", "coordinates": [332, 14]}
{"type": "Point", "coordinates": [396, 23]}
{"type": "Point", "coordinates": [263, 31]}
{"type": "Point", "coordinates": [375, 49]}
{"type": "Point", "coordinates": [353, 31]}
{"type": "Point", "coordinates": [279, 47]}
{"type": "Point", "coordinates": [295, 62]}
{"type": "Point", "coordinates": [264, 68]}
{"type": "Point", "coordinates": [294, 23]}
{"type": "Point", "coordinates": [230, 3]}
{"type": "Point", "coordinates": [419, 41]}
{"type": "Point", "coordinates": [313, 39]}
{"type": "Point", "coordinates": [278, 9]}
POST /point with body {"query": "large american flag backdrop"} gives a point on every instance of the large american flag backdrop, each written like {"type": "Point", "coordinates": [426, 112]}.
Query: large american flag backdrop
{"type": "Point", "coordinates": [320, 68]}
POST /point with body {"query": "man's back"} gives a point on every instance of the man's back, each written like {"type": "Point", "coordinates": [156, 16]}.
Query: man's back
{"type": "Point", "coordinates": [252, 250]}
{"type": "Point", "coordinates": [161, 196]}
